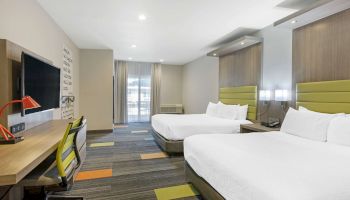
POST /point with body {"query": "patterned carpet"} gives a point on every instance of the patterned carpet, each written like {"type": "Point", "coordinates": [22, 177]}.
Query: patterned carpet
{"type": "Point", "coordinates": [127, 164]}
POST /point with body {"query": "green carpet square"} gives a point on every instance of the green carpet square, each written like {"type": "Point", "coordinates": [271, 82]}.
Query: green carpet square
{"type": "Point", "coordinates": [102, 144]}
{"type": "Point", "coordinates": [175, 192]}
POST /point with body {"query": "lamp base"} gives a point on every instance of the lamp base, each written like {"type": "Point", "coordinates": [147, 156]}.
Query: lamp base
{"type": "Point", "coordinates": [11, 140]}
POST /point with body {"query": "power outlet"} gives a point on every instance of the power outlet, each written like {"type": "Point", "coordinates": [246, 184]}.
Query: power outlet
{"type": "Point", "coordinates": [18, 128]}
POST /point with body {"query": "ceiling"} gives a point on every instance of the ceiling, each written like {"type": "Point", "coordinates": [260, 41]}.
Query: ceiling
{"type": "Point", "coordinates": [177, 31]}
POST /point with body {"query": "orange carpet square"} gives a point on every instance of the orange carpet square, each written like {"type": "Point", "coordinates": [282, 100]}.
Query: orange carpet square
{"type": "Point", "coordinates": [94, 174]}
{"type": "Point", "coordinates": [147, 156]}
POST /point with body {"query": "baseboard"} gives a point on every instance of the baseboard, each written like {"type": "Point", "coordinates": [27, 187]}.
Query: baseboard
{"type": "Point", "coordinates": [100, 131]}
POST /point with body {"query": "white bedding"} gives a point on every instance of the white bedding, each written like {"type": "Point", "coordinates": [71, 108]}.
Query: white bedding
{"type": "Point", "coordinates": [270, 166]}
{"type": "Point", "coordinates": [178, 127]}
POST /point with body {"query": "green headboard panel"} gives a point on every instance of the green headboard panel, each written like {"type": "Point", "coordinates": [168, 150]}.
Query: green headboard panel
{"type": "Point", "coordinates": [326, 97]}
{"type": "Point", "coordinates": [244, 95]}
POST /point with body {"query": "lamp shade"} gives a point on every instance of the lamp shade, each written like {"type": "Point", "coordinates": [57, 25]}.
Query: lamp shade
{"type": "Point", "coordinates": [265, 95]}
{"type": "Point", "coordinates": [29, 103]}
{"type": "Point", "coordinates": [282, 95]}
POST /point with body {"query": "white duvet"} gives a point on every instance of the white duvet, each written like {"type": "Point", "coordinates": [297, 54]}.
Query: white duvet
{"type": "Point", "coordinates": [178, 127]}
{"type": "Point", "coordinates": [270, 166]}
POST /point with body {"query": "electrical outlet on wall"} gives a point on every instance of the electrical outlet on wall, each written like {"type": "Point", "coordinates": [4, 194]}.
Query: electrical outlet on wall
{"type": "Point", "coordinates": [17, 128]}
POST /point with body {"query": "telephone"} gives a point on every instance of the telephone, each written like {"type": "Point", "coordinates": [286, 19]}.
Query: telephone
{"type": "Point", "coordinates": [272, 123]}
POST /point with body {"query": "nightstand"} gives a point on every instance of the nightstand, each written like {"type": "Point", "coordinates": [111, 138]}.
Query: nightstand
{"type": "Point", "coordinates": [256, 127]}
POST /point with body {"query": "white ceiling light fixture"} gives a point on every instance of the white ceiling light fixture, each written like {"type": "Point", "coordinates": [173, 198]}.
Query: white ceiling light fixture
{"type": "Point", "coordinates": [161, 60]}
{"type": "Point", "coordinates": [133, 46]}
{"type": "Point", "coordinates": [293, 21]}
{"type": "Point", "coordinates": [214, 54]}
{"type": "Point", "coordinates": [130, 58]}
{"type": "Point", "coordinates": [242, 43]}
{"type": "Point", "coordinates": [142, 17]}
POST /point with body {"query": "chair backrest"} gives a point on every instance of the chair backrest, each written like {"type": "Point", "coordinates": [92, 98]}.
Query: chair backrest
{"type": "Point", "coordinates": [67, 156]}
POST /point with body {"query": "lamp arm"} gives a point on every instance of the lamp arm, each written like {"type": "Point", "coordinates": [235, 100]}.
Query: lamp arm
{"type": "Point", "coordinates": [9, 103]}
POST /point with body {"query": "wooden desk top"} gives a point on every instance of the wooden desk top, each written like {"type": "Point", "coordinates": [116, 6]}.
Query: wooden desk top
{"type": "Point", "coordinates": [17, 160]}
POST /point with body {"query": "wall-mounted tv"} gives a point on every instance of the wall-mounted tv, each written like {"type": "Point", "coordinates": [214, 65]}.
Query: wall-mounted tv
{"type": "Point", "coordinates": [41, 81]}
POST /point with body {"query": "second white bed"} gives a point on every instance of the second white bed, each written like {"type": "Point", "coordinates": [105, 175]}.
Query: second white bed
{"type": "Point", "coordinates": [270, 166]}
{"type": "Point", "coordinates": [178, 127]}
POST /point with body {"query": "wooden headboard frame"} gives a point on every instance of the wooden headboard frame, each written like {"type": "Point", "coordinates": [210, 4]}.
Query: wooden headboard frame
{"type": "Point", "coordinates": [326, 96]}
{"type": "Point", "coordinates": [244, 95]}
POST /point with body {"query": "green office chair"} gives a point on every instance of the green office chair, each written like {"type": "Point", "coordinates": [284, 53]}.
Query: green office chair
{"type": "Point", "coordinates": [56, 173]}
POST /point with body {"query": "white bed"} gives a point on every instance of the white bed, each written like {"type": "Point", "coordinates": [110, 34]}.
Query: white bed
{"type": "Point", "coordinates": [178, 127]}
{"type": "Point", "coordinates": [270, 166]}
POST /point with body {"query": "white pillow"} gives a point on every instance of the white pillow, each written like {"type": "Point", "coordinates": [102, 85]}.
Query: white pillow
{"type": "Point", "coordinates": [212, 109]}
{"type": "Point", "coordinates": [303, 109]}
{"type": "Point", "coordinates": [339, 131]}
{"type": "Point", "coordinates": [242, 112]}
{"type": "Point", "coordinates": [310, 125]}
{"type": "Point", "coordinates": [227, 111]}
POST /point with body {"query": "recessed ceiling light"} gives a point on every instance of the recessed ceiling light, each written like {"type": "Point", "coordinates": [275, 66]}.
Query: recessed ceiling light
{"type": "Point", "coordinates": [242, 43]}
{"type": "Point", "coordinates": [161, 60]}
{"type": "Point", "coordinates": [130, 58]}
{"type": "Point", "coordinates": [142, 17]}
{"type": "Point", "coordinates": [133, 46]}
{"type": "Point", "coordinates": [214, 54]}
{"type": "Point", "coordinates": [294, 21]}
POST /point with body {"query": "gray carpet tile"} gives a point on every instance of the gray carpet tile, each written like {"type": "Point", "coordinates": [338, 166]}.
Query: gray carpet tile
{"type": "Point", "coordinates": [133, 178]}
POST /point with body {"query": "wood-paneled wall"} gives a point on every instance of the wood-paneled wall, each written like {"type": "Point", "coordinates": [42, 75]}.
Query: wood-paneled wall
{"type": "Point", "coordinates": [242, 67]}
{"type": "Point", "coordinates": [321, 50]}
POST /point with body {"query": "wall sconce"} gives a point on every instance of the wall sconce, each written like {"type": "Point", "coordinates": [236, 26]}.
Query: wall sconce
{"type": "Point", "coordinates": [265, 95]}
{"type": "Point", "coordinates": [282, 95]}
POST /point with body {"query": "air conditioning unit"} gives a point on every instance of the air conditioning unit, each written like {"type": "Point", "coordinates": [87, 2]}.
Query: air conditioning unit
{"type": "Point", "coordinates": [171, 109]}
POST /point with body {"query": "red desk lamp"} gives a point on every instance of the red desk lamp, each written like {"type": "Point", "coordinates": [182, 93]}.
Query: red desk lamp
{"type": "Point", "coordinates": [28, 103]}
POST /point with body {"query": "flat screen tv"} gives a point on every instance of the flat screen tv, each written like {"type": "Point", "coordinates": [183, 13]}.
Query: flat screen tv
{"type": "Point", "coordinates": [41, 81]}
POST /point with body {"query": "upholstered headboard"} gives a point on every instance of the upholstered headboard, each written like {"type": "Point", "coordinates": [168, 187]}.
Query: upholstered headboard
{"type": "Point", "coordinates": [326, 97]}
{"type": "Point", "coordinates": [244, 95]}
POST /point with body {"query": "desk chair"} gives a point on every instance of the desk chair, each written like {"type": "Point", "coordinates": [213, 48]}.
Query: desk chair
{"type": "Point", "coordinates": [56, 173]}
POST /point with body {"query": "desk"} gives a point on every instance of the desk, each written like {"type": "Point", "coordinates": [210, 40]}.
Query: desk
{"type": "Point", "coordinates": [17, 160]}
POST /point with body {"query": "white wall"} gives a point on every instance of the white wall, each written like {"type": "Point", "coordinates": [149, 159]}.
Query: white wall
{"type": "Point", "coordinates": [96, 88]}
{"type": "Point", "coordinates": [28, 25]}
{"type": "Point", "coordinates": [200, 84]}
{"type": "Point", "coordinates": [171, 84]}
{"type": "Point", "coordinates": [277, 64]}
{"type": "Point", "coordinates": [277, 58]}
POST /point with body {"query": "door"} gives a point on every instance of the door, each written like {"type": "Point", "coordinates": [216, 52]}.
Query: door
{"type": "Point", "coordinates": [139, 92]}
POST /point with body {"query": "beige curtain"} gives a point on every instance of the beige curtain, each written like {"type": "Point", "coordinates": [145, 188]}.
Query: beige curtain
{"type": "Point", "coordinates": [155, 85]}
{"type": "Point", "coordinates": [121, 79]}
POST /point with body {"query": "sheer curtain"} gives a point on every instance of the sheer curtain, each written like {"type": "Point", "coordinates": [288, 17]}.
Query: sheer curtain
{"type": "Point", "coordinates": [139, 91]}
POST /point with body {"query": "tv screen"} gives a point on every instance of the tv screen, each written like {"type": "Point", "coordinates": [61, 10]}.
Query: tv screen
{"type": "Point", "coordinates": [41, 81]}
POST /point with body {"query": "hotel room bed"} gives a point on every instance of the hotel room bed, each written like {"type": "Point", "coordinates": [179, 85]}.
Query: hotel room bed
{"type": "Point", "coordinates": [309, 160]}
{"type": "Point", "coordinates": [267, 166]}
{"type": "Point", "coordinates": [175, 128]}
{"type": "Point", "coordinates": [169, 131]}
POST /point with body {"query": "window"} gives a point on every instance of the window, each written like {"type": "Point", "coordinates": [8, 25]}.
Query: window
{"type": "Point", "coordinates": [139, 92]}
